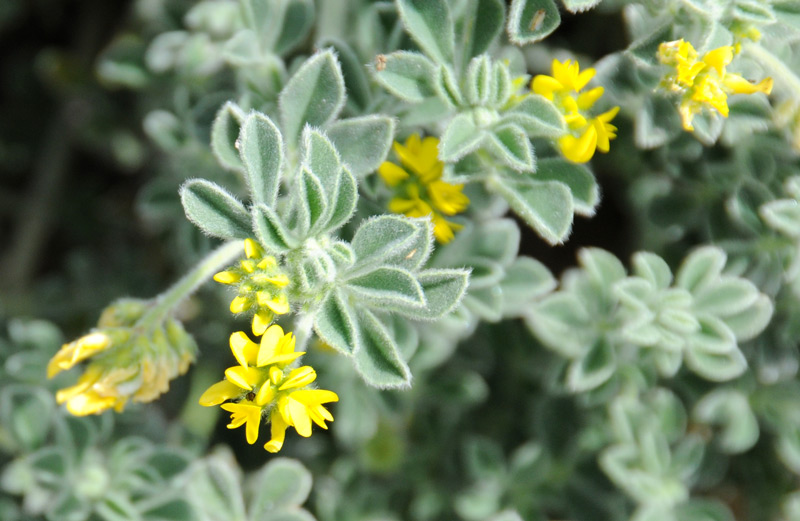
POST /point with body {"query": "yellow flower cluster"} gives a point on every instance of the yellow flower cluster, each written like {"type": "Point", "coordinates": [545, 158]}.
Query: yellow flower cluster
{"type": "Point", "coordinates": [703, 82]}
{"type": "Point", "coordinates": [585, 134]}
{"type": "Point", "coordinates": [126, 364]}
{"type": "Point", "coordinates": [265, 384]}
{"type": "Point", "coordinates": [261, 286]}
{"type": "Point", "coordinates": [422, 192]}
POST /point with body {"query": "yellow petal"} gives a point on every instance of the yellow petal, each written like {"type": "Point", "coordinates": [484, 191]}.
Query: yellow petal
{"type": "Point", "coordinates": [299, 377]}
{"type": "Point", "coordinates": [392, 174]}
{"type": "Point", "coordinates": [269, 344]}
{"type": "Point", "coordinates": [244, 377]}
{"type": "Point", "coordinates": [279, 305]}
{"type": "Point", "coordinates": [252, 249]}
{"type": "Point", "coordinates": [546, 86]}
{"type": "Point", "coordinates": [275, 375]}
{"type": "Point", "coordinates": [244, 349]}
{"type": "Point", "coordinates": [588, 98]}
{"type": "Point", "coordinates": [738, 85]}
{"type": "Point", "coordinates": [91, 403]}
{"type": "Point", "coordinates": [219, 392]}
{"type": "Point", "coordinates": [239, 304]}
{"type": "Point", "coordinates": [315, 396]}
{"type": "Point", "coordinates": [278, 432]}
{"type": "Point", "coordinates": [581, 149]}
{"type": "Point", "coordinates": [261, 320]}
{"type": "Point", "coordinates": [448, 198]}
{"type": "Point", "coordinates": [227, 277]}
{"type": "Point", "coordinates": [265, 395]}
{"type": "Point", "coordinates": [583, 78]}
{"type": "Point", "coordinates": [719, 58]}
{"type": "Point", "coordinates": [298, 416]}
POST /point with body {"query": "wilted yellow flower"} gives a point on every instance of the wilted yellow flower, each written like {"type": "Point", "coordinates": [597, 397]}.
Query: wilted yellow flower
{"type": "Point", "coordinates": [264, 385]}
{"type": "Point", "coordinates": [419, 188]}
{"type": "Point", "coordinates": [585, 134]}
{"type": "Point", "coordinates": [126, 362]}
{"type": "Point", "coordinates": [261, 286]}
{"type": "Point", "coordinates": [703, 82]}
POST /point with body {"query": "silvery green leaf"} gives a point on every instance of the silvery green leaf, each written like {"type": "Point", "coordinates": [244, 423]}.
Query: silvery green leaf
{"type": "Point", "coordinates": [339, 190]}
{"type": "Point", "coordinates": [261, 150]}
{"type": "Point", "coordinates": [430, 25]}
{"type": "Point", "coordinates": [387, 286]}
{"type": "Point", "coordinates": [215, 211]}
{"type": "Point", "coordinates": [678, 320]}
{"type": "Point", "coordinates": [561, 322]}
{"type": "Point", "coordinates": [313, 202]}
{"type": "Point", "coordinates": [485, 303]}
{"type": "Point", "coordinates": [579, 6]}
{"type": "Point", "coordinates": [511, 145]}
{"type": "Point", "coordinates": [728, 296]}
{"type": "Point", "coordinates": [461, 137]}
{"type": "Point", "coordinates": [363, 142]}
{"type": "Point", "coordinates": [506, 515]}
{"type": "Point", "coordinates": [703, 510]}
{"type": "Point", "coordinates": [713, 337]}
{"type": "Point", "coordinates": [538, 116]}
{"type": "Point", "coordinates": [782, 215]}
{"type": "Point", "coordinates": [750, 322]}
{"type": "Point", "coordinates": [753, 11]}
{"type": "Point", "coordinates": [525, 280]}
{"type": "Point", "coordinates": [602, 266]}
{"type": "Point", "coordinates": [594, 369]}
{"type": "Point", "coordinates": [316, 270]}
{"type": "Point", "coordinates": [336, 323]}
{"type": "Point", "coordinates": [652, 268]}
{"type": "Point", "coordinates": [392, 240]}
{"type": "Point", "coordinates": [355, 77]}
{"type": "Point", "coordinates": [342, 254]}
{"type": "Point", "coordinates": [645, 49]}
{"type": "Point", "coordinates": [532, 20]}
{"type": "Point", "coordinates": [27, 414]}
{"type": "Point", "coordinates": [377, 358]}
{"type": "Point", "coordinates": [224, 133]}
{"type": "Point", "coordinates": [633, 292]}
{"type": "Point", "coordinates": [579, 179]}
{"type": "Point", "coordinates": [443, 290]}
{"type": "Point", "coordinates": [115, 506]}
{"type": "Point", "coordinates": [546, 206]}
{"type": "Point", "coordinates": [215, 487]}
{"type": "Point", "coordinates": [483, 24]}
{"type": "Point", "coordinates": [280, 26]}
{"type": "Point", "coordinates": [622, 465]}
{"type": "Point", "coordinates": [730, 410]}
{"type": "Point", "coordinates": [717, 367]}
{"type": "Point", "coordinates": [501, 85]}
{"type": "Point", "coordinates": [699, 270]}
{"type": "Point", "coordinates": [167, 509]}
{"type": "Point", "coordinates": [478, 82]}
{"type": "Point", "coordinates": [271, 231]}
{"type": "Point", "coordinates": [788, 448]}
{"type": "Point", "coordinates": [485, 272]}
{"type": "Point", "coordinates": [242, 49]}
{"type": "Point", "coordinates": [282, 483]}
{"type": "Point", "coordinates": [313, 96]}
{"type": "Point", "coordinates": [446, 86]}
{"type": "Point", "coordinates": [407, 75]}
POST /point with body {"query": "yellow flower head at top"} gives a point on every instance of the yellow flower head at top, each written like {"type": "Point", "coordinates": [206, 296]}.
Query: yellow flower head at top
{"type": "Point", "coordinates": [419, 188]}
{"type": "Point", "coordinates": [585, 135]}
{"type": "Point", "coordinates": [265, 384]}
{"type": "Point", "coordinates": [261, 286]}
{"type": "Point", "coordinates": [125, 362]}
{"type": "Point", "coordinates": [703, 82]}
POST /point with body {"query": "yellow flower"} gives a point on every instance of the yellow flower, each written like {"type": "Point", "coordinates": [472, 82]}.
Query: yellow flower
{"type": "Point", "coordinates": [585, 135]}
{"type": "Point", "coordinates": [126, 361]}
{"type": "Point", "coordinates": [263, 385]}
{"type": "Point", "coordinates": [703, 82]}
{"type": "Point", "coordinates": [261, 286]}
{"type": "Point", "coordinates": [418, 185]}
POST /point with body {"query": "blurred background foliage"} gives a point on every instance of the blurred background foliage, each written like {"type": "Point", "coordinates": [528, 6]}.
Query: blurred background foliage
{"type": "Point", "coordinates": [106, 108]}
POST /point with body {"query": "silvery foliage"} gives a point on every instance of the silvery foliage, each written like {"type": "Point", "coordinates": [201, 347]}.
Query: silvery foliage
{"type": "Point", "coordinates": [487, 129]}
{"type": "Point", "coordinates": [67, 468]}
{"type": "Point", "coordinates": [603, 320]}
{"type": "Point", "coordinates": [346, 289]}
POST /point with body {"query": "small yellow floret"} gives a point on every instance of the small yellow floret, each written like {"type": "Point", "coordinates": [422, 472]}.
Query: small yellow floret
{"type": "Point", "coordinates": [419, 188]}
{"type": "Point", "coordinates": [704, 82]}
{"type": "Point", "coordinates": [584, 135]}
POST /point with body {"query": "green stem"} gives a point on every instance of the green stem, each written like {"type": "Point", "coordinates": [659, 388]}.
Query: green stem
{"type": "Point", "coordinates": [780, 71]}
{"type": "Point", "coordinates": [187, 285]}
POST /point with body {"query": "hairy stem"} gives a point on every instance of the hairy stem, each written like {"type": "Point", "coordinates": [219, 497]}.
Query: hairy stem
{"type": "Point", "coordinates": [190, 282]}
